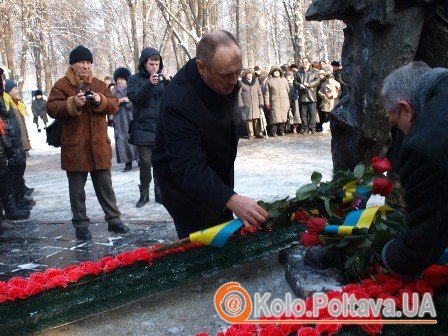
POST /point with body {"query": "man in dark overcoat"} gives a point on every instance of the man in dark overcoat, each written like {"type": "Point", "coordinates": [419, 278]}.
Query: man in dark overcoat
{"type": "Point", "coordinates": [196, 140]}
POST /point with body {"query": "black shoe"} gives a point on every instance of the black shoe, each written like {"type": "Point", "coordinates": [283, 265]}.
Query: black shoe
{"type": "Point", "coordinates": [127, 167]}
{"type": "Point", "coordinates": [83, 234]}
{"type": "Point", "coordinates": [12, 212]}
{"type": "Point", "coordinates": [118, 227]}
{"type": "Point", "coordinates": [28, 191]}
{"type": "Point", "coordinates": [23, 204]}
{"type": "Point", "coordinates": [142, 201]}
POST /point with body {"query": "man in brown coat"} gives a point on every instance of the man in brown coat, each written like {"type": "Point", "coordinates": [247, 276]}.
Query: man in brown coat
{"type": "Point", "coordinates": [82, 102]}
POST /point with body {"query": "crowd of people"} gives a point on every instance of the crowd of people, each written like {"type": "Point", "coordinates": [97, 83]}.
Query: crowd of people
{"type": "Point", "coordinates": [288, 98]}
{"type": "Point", "coordinates": [269, 103]}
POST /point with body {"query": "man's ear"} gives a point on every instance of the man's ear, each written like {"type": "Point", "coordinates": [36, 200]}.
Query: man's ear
{"type": "Point", "coordinates": [201, 67]}
{"type": "Point", "coordinates": [407, 110]}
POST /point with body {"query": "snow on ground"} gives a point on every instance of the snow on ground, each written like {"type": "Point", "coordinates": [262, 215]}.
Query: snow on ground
{"type": "Point", "coordinates": [265, 169]}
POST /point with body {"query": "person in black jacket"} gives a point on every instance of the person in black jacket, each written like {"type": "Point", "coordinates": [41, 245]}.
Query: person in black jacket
{"type": "Point", "coordinates": [145, 90]}
{"type": "Point", "coordinates": [416, 99]}
{"type": "Point", "coordinates": [38, 107]}
{"type": "Point", "coordinates": [196, 140]}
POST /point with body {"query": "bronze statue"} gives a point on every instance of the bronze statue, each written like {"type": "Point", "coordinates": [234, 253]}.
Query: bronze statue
{"type": "Point", "coordinates": [381, 35]}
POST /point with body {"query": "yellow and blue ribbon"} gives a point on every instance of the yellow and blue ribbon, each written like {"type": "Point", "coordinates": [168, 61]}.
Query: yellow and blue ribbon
{"type": "Point", "coordinates": [351, 189]}
{"type": "Point", "coordinates": [356, 219]}
{"type": "Point", "coordinates": [217, 235]}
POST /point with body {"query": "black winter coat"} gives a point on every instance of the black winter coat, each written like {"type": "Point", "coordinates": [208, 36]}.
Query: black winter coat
{"type": "Point", "coordinates": [12, 127]}
{"type": "Point", "coordinates": [423, 166]}
{"type": "Point", "coordinates": [145, 98]}
{"type": "Point", "coordinates": [195, 150]}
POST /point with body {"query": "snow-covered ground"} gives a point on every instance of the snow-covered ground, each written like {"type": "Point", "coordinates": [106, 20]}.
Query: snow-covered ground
{"type": "Point", "coordinates": [265, 169]}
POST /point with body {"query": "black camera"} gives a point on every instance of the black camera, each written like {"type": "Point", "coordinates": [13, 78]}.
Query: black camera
{"type": "Point", "coordinates": [89, 96]}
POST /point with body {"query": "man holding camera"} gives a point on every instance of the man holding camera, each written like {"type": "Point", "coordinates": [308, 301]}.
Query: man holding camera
{"type": "Point", "coordinates": [82, 102]}
{"type": "Point", "coordinates": [145, 89]}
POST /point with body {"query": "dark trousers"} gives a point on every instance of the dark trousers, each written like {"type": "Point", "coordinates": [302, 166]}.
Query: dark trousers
{"type": "Point", "coordinates": [308, 116]}
{"type": "Point", "coordinates": [102, 183]}
{"type": "Point", "coordinates": [18, 181]}
{"type": "Point", "coordinates": [144, 157]}
{"type": "Point", "coordinates": [278, 128]}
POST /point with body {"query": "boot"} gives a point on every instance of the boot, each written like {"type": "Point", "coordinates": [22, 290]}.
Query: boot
{"type": "Point", "coordinates": [158, 195]}
{"type": "Point", "coordinates": [23, 204]}
{"type": "Point", "coordinates": [11, 211]}
{"type": "Point", "coordinates": [144, 196]}
{"type": "Point", "coordinates": [28, 191]}
{"type": "Point", "coordinates": [127, 167]}
{"type": "Point", "coordinates": [118, 227]}
{"type": "Point", "coordinates": [83, 233]}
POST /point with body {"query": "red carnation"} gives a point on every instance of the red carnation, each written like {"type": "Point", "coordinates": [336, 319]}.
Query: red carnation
{"type": "Point", "coordinates": [34, 288]}
{"type": "Point", "coordinates": [57, 281]}
{"type": "Point", "coordinates": [328, 329]}
{"type": "Point", "coordinates": [392, 285]}
{"type": "Point", "coordinates": [300, 216]}
{"type": "Point", "coordinates": [111, 265]}
{"type": "Point", "coordinates": [103, 261]}
{"type": "Point", "coordinates": [17, 282]}
{"type": "Point", "coordinates": [39, 277]}
{"type": "Point", "coordinates": [310, 239]}
{"type": "Point", "coordinates": [15, 292]}
{"type": "Point", "coordinates": [316, 225]}
{"type": "Point", "coordinates": [202, 334]}
{"type": "Point", "coordinates": [126, 258]}
{"type": "Point", "coordinates": [90, 268]}
{"type": "Point", "coordinates": [382, 186]}
{"type": "Point", "coordinates": [308, 331]}
{"type": "Point", "coordinates": [380, 165]}
{"type": "Point", "coordinates": [74, 274]}
{"type": "Point", "coordinates": [270, 330]}
{"type": "Point", "coordinates": [143, 254]}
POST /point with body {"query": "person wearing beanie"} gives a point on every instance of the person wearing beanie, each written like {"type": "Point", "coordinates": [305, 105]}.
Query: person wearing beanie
{"type": "Point", "coordinates": [12, 96]}
{"type": "Point", "coordinates": [81, 102]}
{"type": "Point", "coordinates": [145, 89]}
{"type": "Point", "coordinates": [38, 107]}
{"type": "Point", "coordinates": [11, 180]}
{"type": "Point", "coordinates": [126, 152]}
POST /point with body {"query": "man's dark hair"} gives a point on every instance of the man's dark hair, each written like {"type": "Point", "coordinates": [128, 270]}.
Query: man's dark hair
{"type": "Point", "coordinates": [208, 44]}
{"type": "Point", "coordinates": [154, 58]}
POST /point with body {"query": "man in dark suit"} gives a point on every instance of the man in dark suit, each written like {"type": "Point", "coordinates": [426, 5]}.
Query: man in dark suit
{"type": "Point", "coordinates": [196, 140]}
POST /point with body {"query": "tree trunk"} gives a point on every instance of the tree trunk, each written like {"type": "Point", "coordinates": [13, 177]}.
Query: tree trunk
{"type": "Point", "coordinates": [299, 37]}
{"type": "Point", "coordinates": [132, 11]}
{"type": "Point", "coordinates": [237, 21]}
{"type": "Point", "coordinates": [8, 39]}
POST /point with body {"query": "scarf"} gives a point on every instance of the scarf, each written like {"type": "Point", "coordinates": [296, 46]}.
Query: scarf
{"type": "Point", "coordinates": [19, 105]}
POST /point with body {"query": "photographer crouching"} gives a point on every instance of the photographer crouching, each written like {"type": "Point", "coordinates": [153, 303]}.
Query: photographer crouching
{"type": "Point", "coordinates": [82, 102]}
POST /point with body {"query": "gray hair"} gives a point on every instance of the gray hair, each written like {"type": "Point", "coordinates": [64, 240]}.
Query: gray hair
{"type": "Point", "coordinates": [402, 84]}
{"type": "Point", "coordinates": [210, 42]}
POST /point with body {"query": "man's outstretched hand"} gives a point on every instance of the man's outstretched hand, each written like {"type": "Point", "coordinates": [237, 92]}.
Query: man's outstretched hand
{"type": "Point", "coordinates": [247, 210]}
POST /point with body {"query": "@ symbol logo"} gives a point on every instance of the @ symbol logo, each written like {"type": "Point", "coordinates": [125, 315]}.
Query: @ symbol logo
{"type": "Point", "coordinates": [233, 303]}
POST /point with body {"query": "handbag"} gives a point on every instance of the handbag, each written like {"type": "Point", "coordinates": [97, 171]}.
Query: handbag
{"type": "Point", "coordinates": [54, 131]}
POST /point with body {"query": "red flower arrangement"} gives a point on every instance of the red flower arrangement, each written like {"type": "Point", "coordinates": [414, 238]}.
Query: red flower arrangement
{"type": "Point", "coordinates": [378, 286]}
{"type": "Point", "coordinates": [38, 282]}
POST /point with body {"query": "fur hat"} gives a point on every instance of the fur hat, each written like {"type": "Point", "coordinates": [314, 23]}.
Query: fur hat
{"type": "Point", "coordinates": [248, 71]}
{"type": "Point", "coordinates": [80, 53]}
{"type": "Point", "coordinates": [122, 72]}
{"type": "Point", "coordinates": [9, 85]}
{"type": "Point", "coordinates": [38, 93]}
{"type": "Point", "coordinates": [335, 63]}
